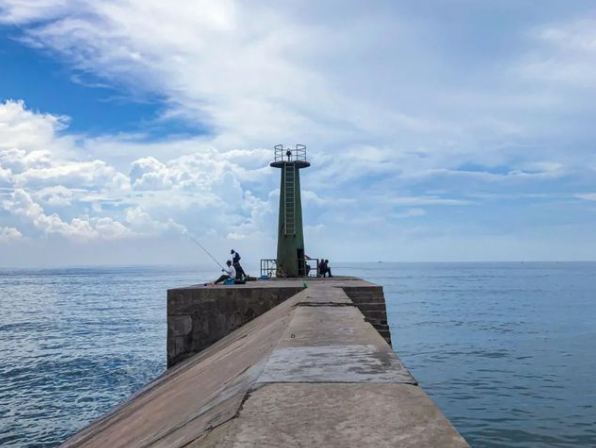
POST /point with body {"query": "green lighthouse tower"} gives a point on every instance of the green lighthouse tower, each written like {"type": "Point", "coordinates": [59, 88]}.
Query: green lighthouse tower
{"type": "Point", "coordinates": [290, 237]}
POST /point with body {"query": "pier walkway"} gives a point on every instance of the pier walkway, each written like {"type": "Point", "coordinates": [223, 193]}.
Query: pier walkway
{"type": "Point", "coordinates": [310, 372]}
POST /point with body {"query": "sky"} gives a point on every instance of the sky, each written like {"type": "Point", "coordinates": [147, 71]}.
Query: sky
{"type": "Point", "coordinates": [443, 130]}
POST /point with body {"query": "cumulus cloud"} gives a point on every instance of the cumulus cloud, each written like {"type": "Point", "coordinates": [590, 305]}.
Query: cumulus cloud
{"type": "Point", "coordinates": [55, 196]}
{"type": "Point", "coordinates": [73, 174]}
{"type": "Point", "coordinates": [21, 204]}
{"type": "Point", "coordinates": [50, 186]}
{"type": "Point", "coordinates": [8, 234]}
{"type": "Point", "coordinates": [24, 128]}
{"type": "Point", "coordinates": [34, 154]}
{"type": "Point", "coordinates": [142, 223]}
{"type": "Point", "coordinates": [149, 174]}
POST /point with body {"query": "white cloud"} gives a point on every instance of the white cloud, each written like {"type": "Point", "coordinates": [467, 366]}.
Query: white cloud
{"type": "Point", "coordinates": [563, 63]}
{"type": "Point", "coordinates": [20, 127]}
{"type": "Point", "coordinates": [261, 73]}
{"type": "Point", "coordinates": [425, 200]}
{"type": "Point", "coordinates": [94, 200]}
{"type": "Point", "coordinates": [142, 223]}
{"type": "Point", "coordinates": [74, 175]}
{"type": "Point", "coordinates": [22, 205]}
{"type": "Point", "coordinates": [5, 176]}
{"type": "Point", "coordinates": [410, 213]}
{"type": "Point", "coordinates": [55, 196]}
{"type": "Point", "coordinates": [235, 236]}
{"type": "Point", "coordinates": [149, 174]}
{"type": "Point", "coordinates": [19, 160]}
{"type": "Point", "coordinates": [24, 11]}
{"type": "Point", "coordinates": [587, 196]}
{"type": "Point", "coordinates": [8, 234]}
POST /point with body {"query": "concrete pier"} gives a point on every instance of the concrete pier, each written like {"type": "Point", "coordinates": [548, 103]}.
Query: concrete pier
{"type": "Point", "coordinates": [312, 371]}
{"type": "Point", "coordinates": [198, 316]}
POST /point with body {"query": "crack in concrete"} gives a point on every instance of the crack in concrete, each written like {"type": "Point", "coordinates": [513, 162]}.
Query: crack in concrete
{"type": "Point", "coordinates": [320, 304]}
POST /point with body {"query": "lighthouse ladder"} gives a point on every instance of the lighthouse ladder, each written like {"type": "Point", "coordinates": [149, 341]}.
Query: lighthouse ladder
{"type": "Point", "coordinates": [290, 198]}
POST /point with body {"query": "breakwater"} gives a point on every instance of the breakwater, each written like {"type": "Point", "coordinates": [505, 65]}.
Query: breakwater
{"type": "Point", "coordinates": [310, 371]}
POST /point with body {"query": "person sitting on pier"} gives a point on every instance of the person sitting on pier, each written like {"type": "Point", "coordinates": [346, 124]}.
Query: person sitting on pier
{"type": "Point", "coordinates": [324, 268]}
{"type": "Point", "coordinates": [236, 263]}
{"type": "Point", "coordinates": [307, 266]}
{"type": "Point", "coordinates": [321, 268]}
{"type": "Point", "coordinates": [228, 272]}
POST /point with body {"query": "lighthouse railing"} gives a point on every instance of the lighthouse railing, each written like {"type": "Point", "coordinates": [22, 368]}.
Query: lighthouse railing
{"type": "Point", "coordinates": [297, 154]}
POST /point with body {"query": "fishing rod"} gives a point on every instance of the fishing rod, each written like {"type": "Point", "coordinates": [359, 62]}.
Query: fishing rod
{"type": "Point", "coordinates": [185, 231]}
{"type": "Point", "coordinates": [201, 246]}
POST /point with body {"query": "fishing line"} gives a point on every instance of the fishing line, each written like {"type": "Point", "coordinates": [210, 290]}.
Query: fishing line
{"type": "Point", "coordinates": [194, 240]}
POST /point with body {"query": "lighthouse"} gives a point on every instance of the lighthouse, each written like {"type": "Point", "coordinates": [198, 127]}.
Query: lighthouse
{"type": "Point", "coordinates": [290, 237]}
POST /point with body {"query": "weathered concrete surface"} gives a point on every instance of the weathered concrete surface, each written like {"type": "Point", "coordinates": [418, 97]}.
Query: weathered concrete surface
{"type": "Point", "coordinates": [198, 316]}
{"type": "Point", "coordinates": [310, 372]}
{"type": "Point", "coordinates": [341, 415]}
{"type": "Point", "coordinates": [328, 343]}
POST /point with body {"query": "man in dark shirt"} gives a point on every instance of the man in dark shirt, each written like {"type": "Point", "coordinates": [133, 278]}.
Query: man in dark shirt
{"type": "Point", "coordinates": [236, 262]}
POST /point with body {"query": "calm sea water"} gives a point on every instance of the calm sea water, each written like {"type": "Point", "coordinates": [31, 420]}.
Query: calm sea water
{"type": "Point", "coordinates": [506, 350]}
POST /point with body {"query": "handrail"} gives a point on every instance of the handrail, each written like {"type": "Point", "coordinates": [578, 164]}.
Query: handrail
{"type": "Point", "coordinates": [297, 154]}
{"type": "Point", "coordinates": [270, 269]}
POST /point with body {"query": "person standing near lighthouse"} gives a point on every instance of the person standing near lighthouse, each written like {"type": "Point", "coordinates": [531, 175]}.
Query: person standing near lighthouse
{"type": "Point", "coordinates": [236, 263]}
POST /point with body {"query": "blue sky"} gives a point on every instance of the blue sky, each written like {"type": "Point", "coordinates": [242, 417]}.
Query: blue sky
{"type": "Point", "coordinates": [437, 130]}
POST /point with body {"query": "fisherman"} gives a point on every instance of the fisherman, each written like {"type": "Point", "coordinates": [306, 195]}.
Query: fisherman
{"type": "Point", "coordinates": [228, 272]}
{"type": "Point", "coordinates": [321, 268]}
{"type": "Point", "coordinates": [236, 262]}
{"type": "Point", "coordinates": [324, 268]}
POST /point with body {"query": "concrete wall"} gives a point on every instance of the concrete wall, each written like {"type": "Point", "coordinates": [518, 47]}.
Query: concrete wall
{"type": "Point", "coordinates": [198, 316]}
{"type": "Point", "coordinates": [370, 300]}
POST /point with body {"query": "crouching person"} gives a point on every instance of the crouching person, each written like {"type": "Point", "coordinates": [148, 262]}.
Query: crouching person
{"type": "Point", "coordinates": [228, 272]}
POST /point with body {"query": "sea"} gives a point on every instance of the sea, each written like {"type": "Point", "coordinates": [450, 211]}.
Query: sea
{"type": "Point", "coordinates": [506, 350]}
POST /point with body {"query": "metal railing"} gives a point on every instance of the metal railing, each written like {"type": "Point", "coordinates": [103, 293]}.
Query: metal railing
{"type": "Point", "coordinates": [269, 268]}
{"type": "Point", "coordinates": [312, 271]}
{"type": "Point", "coordinates": [297, 154]}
